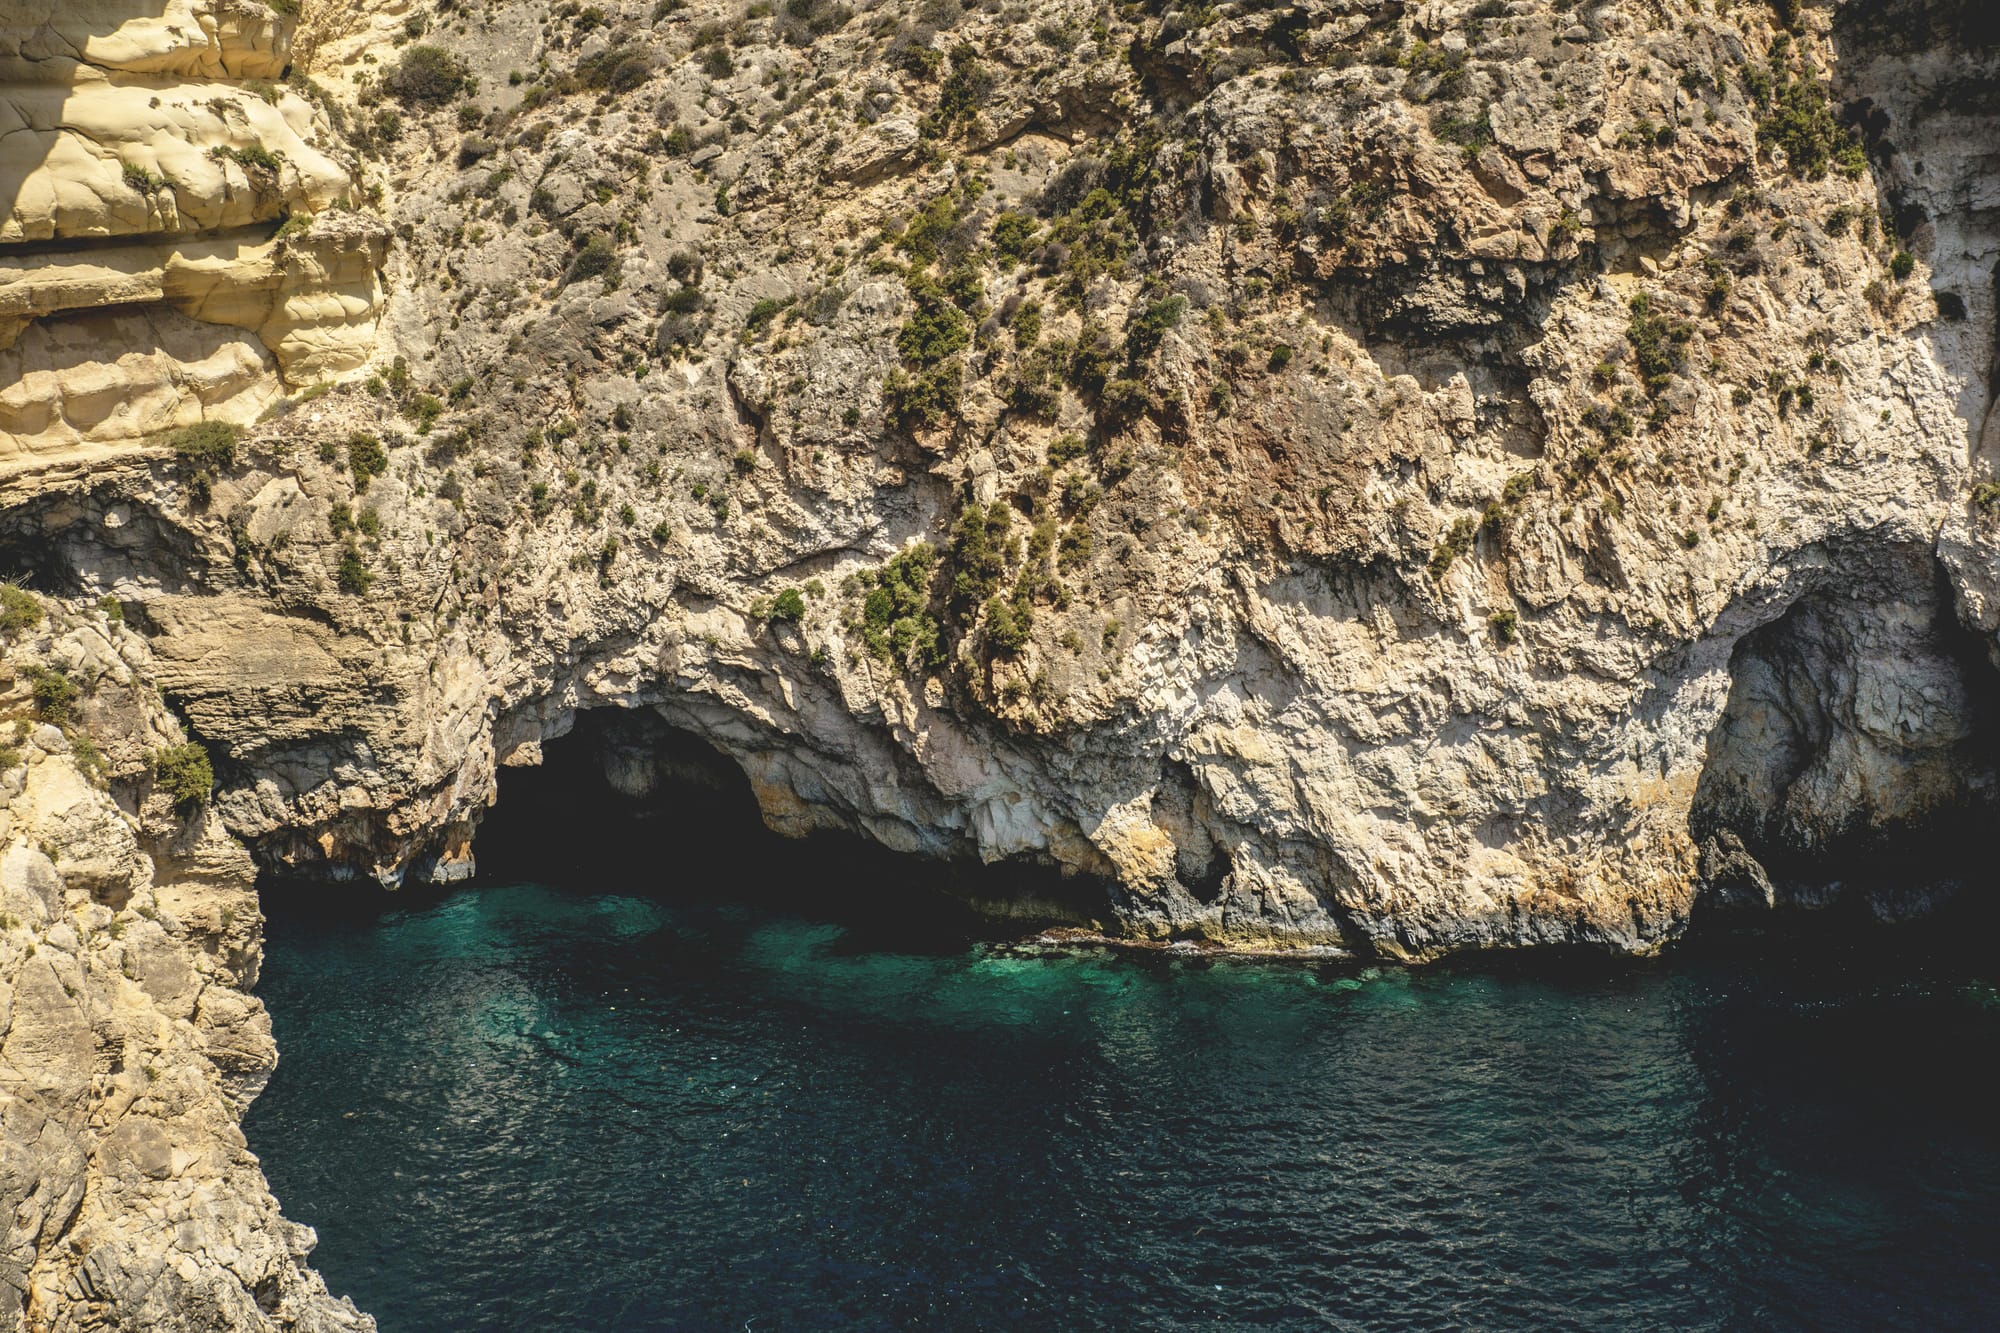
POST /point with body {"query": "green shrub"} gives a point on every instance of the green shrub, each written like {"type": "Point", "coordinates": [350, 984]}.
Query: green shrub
{"type": "Point", "coordinates": [1145, 332]}
{"type": "Point", "coordinates": [353, 576]}
{"type": "Point", "coordinates": [424, 409]}
{"type": "Point", "coordinates": [366, 458]}
{"type": "Point", "coordinates": [925, 399]}
{"type": "Point", "coordinates": [1801, 121]}
{"type": "Point", "coordinates": [594, 258]}
{"type": "Point", "coordinates": [55, 695]}
{"type": "Point", "coordinates": [965, 88]}
{"type": "Point", "coordinates": [19, 609]}
{"type": "Point", "coordinates": [1122, 402]}
{"type": "Point", "coordinates": [207, 446]}
{"type": "Point", "coordinates": [250, 157]}
{"type": "Point", "coordinates": [427, 76]}
{"type": "Point", "coordinates": [616, 69]}
{"type": "Point", "coordinates": [1657, 344]}
{"type": "Point", "coordinates": [765, 311]}
{"type": "Point", "coordinates": [1066, 449]}
{"type": "Point", "coordinates": [981, 547]}
{"type": "Point", "coordinates": [895, 617]}
{"type": "Point", "coordinates": [1903, 265]}
{"type": "Point", "coordinates": [1028, 325]}
{"type": "Point", "coordinates": [788, 605]}
{"type": "Point", "coordinates": [184, 773]}
{"type": "Point", "coordinates": [1506, 626]}
{"type": "Point", "coordinates": [936, 329]}
{"type": "Point", "coordinates": [1007, 624]}
{"type": "Point", "coordinates": [1457, 541]}
{"type": "Point", "coordinates": [1014, 236]}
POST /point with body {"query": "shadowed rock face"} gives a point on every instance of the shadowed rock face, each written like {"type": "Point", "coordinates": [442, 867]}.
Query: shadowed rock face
{"type": "Point", "coordinates": [1857, 754]}
{"type": "Point", "coordinates": [129, 1042]}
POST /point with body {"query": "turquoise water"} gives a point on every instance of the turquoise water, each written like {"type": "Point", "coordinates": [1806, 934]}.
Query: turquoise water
{"type": "Point", "coordinates": [525, 1107]}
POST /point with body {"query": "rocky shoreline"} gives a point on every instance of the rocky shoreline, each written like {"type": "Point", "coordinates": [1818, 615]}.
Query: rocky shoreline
{"type": "Point", "coordinates": [1364, 478]}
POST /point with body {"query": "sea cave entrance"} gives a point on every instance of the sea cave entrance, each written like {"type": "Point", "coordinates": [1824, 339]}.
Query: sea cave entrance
{"type": "Point", "coordinates": [627, 798]}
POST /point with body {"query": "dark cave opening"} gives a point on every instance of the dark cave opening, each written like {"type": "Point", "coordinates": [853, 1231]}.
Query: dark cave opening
{"type": "Point", "coordinates": [627, 799]}
{"type": "Point", "coordinates": [1856, 765]}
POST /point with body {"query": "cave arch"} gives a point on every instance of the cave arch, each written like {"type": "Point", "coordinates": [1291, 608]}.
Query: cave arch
{"type": "Point", "coordinates": [630, 797]}
{"type": "Point", "coordinates": [1856, 763]}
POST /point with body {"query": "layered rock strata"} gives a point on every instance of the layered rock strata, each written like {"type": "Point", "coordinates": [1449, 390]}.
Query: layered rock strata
{"type": "Point", "coordinates": [171, 245]}
{"type": "Point", "coordinates": [1330, 478]}
{"type": "Point", "coordinates": [1394, 478]}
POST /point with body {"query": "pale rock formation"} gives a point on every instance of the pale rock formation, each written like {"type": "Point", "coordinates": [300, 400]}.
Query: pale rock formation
{"type": "Point", "coordinates": [1397, 478]}
{"type": "Point", "coordinates": [1390, 598]}
{"type": "Point", "coordinates": [129, 1042]}
{"type": "Point", "coordinates": [165, 130]}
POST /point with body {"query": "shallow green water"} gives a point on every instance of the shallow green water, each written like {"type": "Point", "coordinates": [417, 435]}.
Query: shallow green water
{"type": "Point", "coordinates": [530, 1108]}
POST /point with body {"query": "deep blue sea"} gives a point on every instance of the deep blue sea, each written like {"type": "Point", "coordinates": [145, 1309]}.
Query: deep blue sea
{"type": "Point", "coordinates": [525, 1107]}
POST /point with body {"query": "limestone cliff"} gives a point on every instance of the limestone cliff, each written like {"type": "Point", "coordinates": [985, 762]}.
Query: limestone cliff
{"type": "Point", "coordinates": [172, 245]}
{"type": "Point", "coordinates": [1390, 477]}
{"type": "Point", "coordinates": [1370, 475]}
{"type": "Point", "coordinates": [129, 1044]}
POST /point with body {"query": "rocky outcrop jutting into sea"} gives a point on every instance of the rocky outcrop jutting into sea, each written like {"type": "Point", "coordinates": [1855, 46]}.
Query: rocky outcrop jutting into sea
{"type": "Point", "coordinates": [129, 1041]}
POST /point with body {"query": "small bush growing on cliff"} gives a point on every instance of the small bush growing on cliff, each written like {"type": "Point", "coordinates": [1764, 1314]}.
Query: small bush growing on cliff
{"type": "Point", "coordinates": [427, 76]}
{"type": "Point", "coordinates": [1457, 541]}
{"type": "Point", "coordinates": [616, 69]}
{"type": "Point", "coordinates": [184, 773]}
{"type": "Point", "coordinates": [927, 392]}
{"type": "Point", "coordinates": [788, 605]}
{"type": "Point", "coordinates": [54, 694]}
{"type": "Point", "coordinates": [594, 259]}
{"type": "Point", "coordinates": [353, 576]}
{"type": "Point", "coordinates": [366, 459]}
{"type": "Point", "coordinates": [1007, 624]}
{"type": "Point", "coordinates": [1146, 331]}
{"type": "Point", "coordinates": [895, 617]}
{"type": "Point", "coordinates": [1800, 120]}
{"type": "Point", "coordinates": [982, 546]}
{"type": "Point", "coordinates": [1657, 343]}
{"type": "Point", "coordinates": [19, 609]}
{"type": "Point", "coordinates": [251, 157]}
{"type": "Point", "coordinates": [206, 446]}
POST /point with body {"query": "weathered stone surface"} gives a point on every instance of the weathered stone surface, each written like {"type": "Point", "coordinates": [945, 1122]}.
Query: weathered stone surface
{"type": "Point", "coordinates": [1390, 596]}
{"type": "Point", "coordinates": [1398, 478]}
{"type": "Point", "coordinates": [161, 125]}
{"type": "Point", "coordinates": [128, 1044]}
